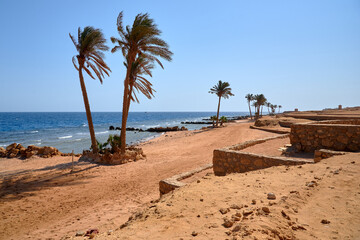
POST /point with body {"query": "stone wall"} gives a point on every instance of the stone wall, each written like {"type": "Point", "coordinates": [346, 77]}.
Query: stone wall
{"type": "Point", "coordinates": [232, 160]}
{"type": "Point", "coordinates": [170, 184]}
{"type": "Point", "coordinates": [333, 135]}
{"type": "Point", "coordinates": [323, 153]}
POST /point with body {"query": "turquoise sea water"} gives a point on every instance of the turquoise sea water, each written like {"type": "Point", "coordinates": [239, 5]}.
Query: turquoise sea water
{"type": "Point", "coordinates": [69, 131]}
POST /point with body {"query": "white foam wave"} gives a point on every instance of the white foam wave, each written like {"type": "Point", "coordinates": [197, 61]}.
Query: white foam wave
{"type": "Point", "coordinates": [34, 131]}
{"type": "Point", "coordinates": [102, 132]}
{"type": "Point", "coordinates": [65, 137]}
{"type": "Point", "coordinates": [78, 139]}
{"type": "Point", "coordinates": [38, 140]}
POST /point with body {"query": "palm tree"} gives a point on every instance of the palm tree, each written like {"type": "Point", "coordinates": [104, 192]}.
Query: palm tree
{"type": "Point", "coordinates": [279, 108]}
{"type": "Point", "coordinates": [249, 97]}
{"type": "Point", "coordinates": [268, 104]}
{"type": "Point", "coordinates": [139, 40]}
{"type": "Point", "coordinates": [140, 67]}
{"type": "Point", "coordinates": [222, 90]}
{"type": "Point", "coordinates": [90, 46]}
{"type": "Point", "coordinates": [260, 101]}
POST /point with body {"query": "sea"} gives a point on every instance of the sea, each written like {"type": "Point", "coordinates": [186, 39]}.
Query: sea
{"type": "Point", "coordinates": [68, 131]}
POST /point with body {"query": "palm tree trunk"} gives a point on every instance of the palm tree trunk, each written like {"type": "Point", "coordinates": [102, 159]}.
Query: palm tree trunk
{"type": "Point", "coordinates": [250, 110]}
{"type": "Point", "coordinates": [218, 110]}
{"type": "Point", "coordinates": [126, 104]}
{"type": "Point", "coordinates": [88, 112]}
{"type": "Point", "coordinates": [261, 110]}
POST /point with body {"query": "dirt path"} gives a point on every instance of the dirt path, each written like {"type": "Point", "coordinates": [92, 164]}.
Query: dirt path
{"type": "Point", "coordinates": [40, 199]}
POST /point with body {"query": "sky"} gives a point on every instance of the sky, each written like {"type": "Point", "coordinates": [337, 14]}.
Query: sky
{"type": "Point", "coordinates": [301, 54]}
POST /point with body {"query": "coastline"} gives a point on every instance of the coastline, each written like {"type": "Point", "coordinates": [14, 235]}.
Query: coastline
{"type": "Point", "coordinates": [54, 198]}
{"type": "Point", "coordinates": [42, 198]}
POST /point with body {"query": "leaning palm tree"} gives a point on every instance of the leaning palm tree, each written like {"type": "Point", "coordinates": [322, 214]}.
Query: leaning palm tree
{"type": "Point", "coordinates": [90, 46]}
{"type": "Point", "coordinates": [249, 97]}
{"type": "Point", "coordinates": [222, 90]}
{"type": "Point", "coordinates": [140, 39]}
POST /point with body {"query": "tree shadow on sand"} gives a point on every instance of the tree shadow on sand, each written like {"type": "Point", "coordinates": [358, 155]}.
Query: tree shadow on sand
{"type": "Point", "coordinates": [17, 185]}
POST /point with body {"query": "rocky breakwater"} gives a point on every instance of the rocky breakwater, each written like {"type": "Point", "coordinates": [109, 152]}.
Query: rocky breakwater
{"type": "Point", "coordinates": [16, 150]}
{"type": "Point", "coordinates": [158, 129]}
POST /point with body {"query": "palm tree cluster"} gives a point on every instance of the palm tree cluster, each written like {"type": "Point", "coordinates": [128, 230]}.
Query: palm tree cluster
{"type": "Point", "coordinates": [258, 101]}
{"type": "Point", "coordinates": [141, 47]}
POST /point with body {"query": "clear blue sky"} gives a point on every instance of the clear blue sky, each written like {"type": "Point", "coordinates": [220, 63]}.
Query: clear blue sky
{"type": "Point", "coordinates": [303, 54]}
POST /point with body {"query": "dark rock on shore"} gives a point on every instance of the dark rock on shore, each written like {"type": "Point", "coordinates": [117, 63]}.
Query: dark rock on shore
{"type": "Point", "coordinates": [196, 122]}
{"type": "Point", "coordinates": [167, 129]}
{"type": "Point", "coordinates": [159, 129]}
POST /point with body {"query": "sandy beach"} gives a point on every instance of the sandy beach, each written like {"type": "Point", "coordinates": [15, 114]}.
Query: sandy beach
{"type": "Point", "coordinates": [41, 199]}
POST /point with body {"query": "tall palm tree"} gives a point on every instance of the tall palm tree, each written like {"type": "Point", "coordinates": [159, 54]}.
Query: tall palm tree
{"type": "Point", "coordinates": [140, 39]}
{"type": "Point", "coordinates": [249, 97]}
{"type": "Point", "coordinates": [279, 108]}
{"type": "Point", "coordinates": [90, 46]}
{"type": "Point", "coordinates": [222, 90]}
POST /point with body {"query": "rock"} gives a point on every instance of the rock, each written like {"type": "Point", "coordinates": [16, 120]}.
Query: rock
{"type": "Point", "coordinates": [227, 223]}
{"type": "Point", "coordinates": [283, 213]}
{"type": "Point", "coordinates": [266, 210]}
{"type": "Point", "coordinates": [29, 154]}
{"type": "Point", "coordinates": [12, 153]}
{"type": "Point", "coordinates": [236, 228]}
{"type": "Point", "coordinates": [271, 196]}
{"type": "Point", "coordinates": [2, 152]}
{"type": "Point", "coordinates": [11, 146]}
{"type": "Point", "coordinates": [311, 184]}
{"type": "Point", "coordinates": [235, 218]}
{"type": "Point", "coordinates": [235, 206]}
{"type": "Point", "coordinates": [110, 232]}
{"type": "Point", "coordinates": [324, 221]}
{"type": "Point", "coordinates": [111, 128]}
{"type": "Point", "coordinates": [247, 211]}
{"type": "Point", "coordinates": [253, 202]}
{"type": "Point", "coordinates": [50, 151]}
{"type": "Point", "coordinates": [194, 234]}
{"type": "Point", "coordinates": [79, 234]}
{"type": "Point", "coordinates": [224, 210]}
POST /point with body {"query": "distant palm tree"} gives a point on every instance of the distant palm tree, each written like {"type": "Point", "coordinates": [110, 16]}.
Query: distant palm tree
{"type": "Point", "coordinates": [90, 46]}
{"type": "Point", "coordinates": [260, 101]}
{"type": "Point", "coordinates": [139, 40]}
{"type": "Point", "coordinates": [279, 108]}
{"type": "Point", "coordinates": [249, 97]}
{"type": "Point", "coordinates": [268, 104]}
{"type": "Point", "coordinates": [222, 90]}
{"type": "Point", "coordinates": [273, 108]}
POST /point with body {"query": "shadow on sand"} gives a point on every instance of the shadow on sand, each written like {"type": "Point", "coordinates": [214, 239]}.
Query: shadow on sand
{"type": "Point", "coordinates": [19, 184]}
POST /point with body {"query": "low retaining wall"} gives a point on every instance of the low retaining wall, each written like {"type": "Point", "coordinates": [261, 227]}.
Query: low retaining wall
{"type": "Point", "coordinates": [343, 135]}
{"type": "Point", "coordinates": [232, 160]}
{"type": "Point", "coordinates": [271, 130]}
{"type": "Point", "coordinates": [323, 153]}
{"type": "Point", "coordinates": [170, 184]}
